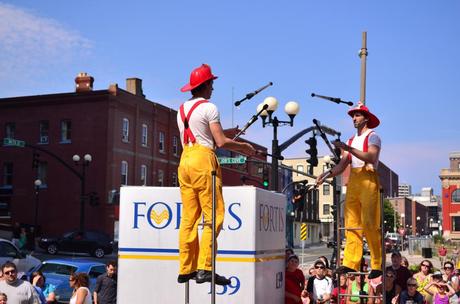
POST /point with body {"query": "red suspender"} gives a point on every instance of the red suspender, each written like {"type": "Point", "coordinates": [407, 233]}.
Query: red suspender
{"type": "Point", "coordinates": [188, 135]}
{"type": "Point", "coordinates": [365, 143]}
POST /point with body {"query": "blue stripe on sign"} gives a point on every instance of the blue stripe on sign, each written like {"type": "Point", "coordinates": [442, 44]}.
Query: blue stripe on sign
{"type": "Point", "coordinates": [166, 250]}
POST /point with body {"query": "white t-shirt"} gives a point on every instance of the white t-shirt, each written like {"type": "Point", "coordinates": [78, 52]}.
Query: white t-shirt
{"type": "Point", "coordinates": [321, 287]}
{"type": "Point", "coordinates": [358, 143]}
{"type": "Point", "coordinates": [203, 115]}
{"type": "Point", "coordinates": [88, 298]}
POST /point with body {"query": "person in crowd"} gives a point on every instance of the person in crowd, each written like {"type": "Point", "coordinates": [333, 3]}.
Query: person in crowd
{"type": "Point", "coordinates": [22, 239]}
{"type": "Point", "coordinates": [326, 262]}
{"type": "Point", "coordinates": [410, 295]}
{"type": "Point", "coordinates": [442, 253]}
{"type": "Point", "coordinates": [423, 278]}
{"type": "Point", "coordinates": [80, 283]}
{"type": "Point", "coordinates": [402, 273]}
{"type": "Point", "coordinates": [3, 298]}
{"type": "Point", "coordinates": [319, 287]}
{"type": "Point", "coordinates": [358, 287]}
{"type": "Point", "coordinates": [448, 271]}
{"type": "Point", "coordinates": [454, 299]}
{"type": "Point", "coordinates": [289, 251]}
{"type": "Point", "coordinates": [18, 291]}
{"type": "Point", "coordinates": [295, 281]}
{"type": "Point", "coordinates": [37, 280]}
{"type": "Point", "coordinates": [441, 293]}
{"type": "Point", "coordinates": [105, 291]}
{"type": "Point", "coordinates": [404, 262]}
{"type": "Point", "coordinates": [16, 234]}
{"type": "Point", "coordinates": [342, 288]}
{"type": "Point", "coordinates": [455, 253]}
{"type": "Point", "coordinates": [392, 289]}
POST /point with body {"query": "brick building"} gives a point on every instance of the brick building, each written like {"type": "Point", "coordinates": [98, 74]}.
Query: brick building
{"type": "Point", "coordinates": [131, 140]}
{"type": "Point", "coordinates": [450, 181]}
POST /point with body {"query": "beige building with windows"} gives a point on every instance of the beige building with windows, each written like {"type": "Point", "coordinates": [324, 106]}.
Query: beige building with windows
{"type": "Point", "coordinates": [325, 226]}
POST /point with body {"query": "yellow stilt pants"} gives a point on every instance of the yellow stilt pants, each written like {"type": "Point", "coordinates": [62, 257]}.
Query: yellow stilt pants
{"type": "Point", "coordinates": [362, 209]}
{"type": "Point", "coordinates": [195, 180]}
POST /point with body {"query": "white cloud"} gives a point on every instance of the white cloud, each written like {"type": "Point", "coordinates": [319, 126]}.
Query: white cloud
{"type": "Point", "coordinates": [31, 44]}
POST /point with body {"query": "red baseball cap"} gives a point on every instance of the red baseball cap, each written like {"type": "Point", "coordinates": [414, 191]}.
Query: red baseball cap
{"type": "Point", "coordinates": [373, 120]}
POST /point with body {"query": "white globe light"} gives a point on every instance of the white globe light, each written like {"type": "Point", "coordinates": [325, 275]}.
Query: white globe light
{"type": "Point", "coordinates": [292, 108]}
{"type": "Point", "coordinates": [88, 157]}
{"type": "Point", "coordinates": [38, 183]}
{"type": "Point", "coordinates": [76, 158]}
{"type": "Point", "coordinates": [272, 103]}
{"type": "Point", "coordinates": [259, 108]}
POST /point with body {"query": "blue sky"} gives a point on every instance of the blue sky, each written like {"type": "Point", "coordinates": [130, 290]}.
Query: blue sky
{"type": "Point", "coordinates": [301, 46]}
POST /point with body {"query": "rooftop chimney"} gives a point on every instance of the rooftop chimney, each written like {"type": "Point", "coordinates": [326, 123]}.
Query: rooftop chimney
{"type": "Point", "coordinates": [134, 86]}
{"type": "Point", "coordinates": [84, 83]}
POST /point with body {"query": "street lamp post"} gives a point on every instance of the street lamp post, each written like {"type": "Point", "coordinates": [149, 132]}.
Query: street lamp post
{"type": "Point", "coordinates": [292, 109]}
{"type": "Point", "coordinates": [86, 160]}
{"type": "Point", "coordinates": [417, 226]}
{"type": "Point", "coordinates": [37, 184]}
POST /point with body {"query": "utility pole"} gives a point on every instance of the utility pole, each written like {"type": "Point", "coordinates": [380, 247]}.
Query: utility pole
{"type": "Point", "coordinates": [363, 56]}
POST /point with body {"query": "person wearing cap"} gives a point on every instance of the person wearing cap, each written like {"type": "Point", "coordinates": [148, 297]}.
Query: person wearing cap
{"type": "Point", "coordinates": [362, 204]}
{"type": "Point", "coordinates": [410, 295]}
{"type": "Point", "coordinates": [201, 132]}
{"type": "Point", "coordinates": [320, 286]}
{"type": "Point", "coordinates": [295, 281]}
{"type": "Point", "coordinates": [402, 273]}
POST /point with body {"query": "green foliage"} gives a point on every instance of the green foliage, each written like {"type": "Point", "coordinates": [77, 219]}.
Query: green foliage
{"type": "Point", "coordinates": [438, 239]}
{"type": "Point", "coordinates": [389, 216]}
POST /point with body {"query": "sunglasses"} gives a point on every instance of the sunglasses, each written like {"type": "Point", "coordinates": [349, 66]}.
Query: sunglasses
{"type": "Point", "coordinates": [11, 272]}
{"type": "Point", "coordinates": [320, 267]}
{"type": "Point", "coordinates": [448, 267]}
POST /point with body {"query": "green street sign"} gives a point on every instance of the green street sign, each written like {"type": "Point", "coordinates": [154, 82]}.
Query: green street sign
{"type": "Point", "coordinates": [232, 160]}
{"type": "Point", "coordinates": [10, 142]}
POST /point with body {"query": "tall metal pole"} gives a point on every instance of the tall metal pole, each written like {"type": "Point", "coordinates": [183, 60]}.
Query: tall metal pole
{"type": "Point", "coordinates": [275, 153]}
{"type": "Point", "coordinates": [82, 198]}
{"type": "Point", "coordinates": [363, 56]}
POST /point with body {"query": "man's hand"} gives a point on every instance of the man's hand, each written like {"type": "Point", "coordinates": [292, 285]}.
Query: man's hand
{"type": "Point", "coordinates": [341, 145]}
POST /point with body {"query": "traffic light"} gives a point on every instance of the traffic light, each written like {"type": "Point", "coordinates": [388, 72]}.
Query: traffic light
{"type": "Point", "coordinates": [313, 152]}
{"type": "Point", "coordinates": [35, 160]}
{"type": "Point", "coordinates": [265, 178]}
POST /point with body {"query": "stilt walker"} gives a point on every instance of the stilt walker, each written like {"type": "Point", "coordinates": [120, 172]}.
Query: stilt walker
{"type": "Point", "coordinates": [201, 132]}
{"type": "Point", "coordinates": [362, 203]}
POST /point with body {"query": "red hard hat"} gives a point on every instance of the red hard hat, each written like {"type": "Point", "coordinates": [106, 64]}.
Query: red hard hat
{"type": "Point", "coordinates": [198, 76]}
{"type": "Point", "coordinates": [373, 120]}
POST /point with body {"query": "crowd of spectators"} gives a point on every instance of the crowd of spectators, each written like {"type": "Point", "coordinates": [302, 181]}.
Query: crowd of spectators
{"type": "Point", "coordinates": [319, 285]}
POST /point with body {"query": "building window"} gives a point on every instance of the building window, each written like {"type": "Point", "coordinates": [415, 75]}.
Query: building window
{"type": "Point", "coordinates": [456, 196]}
{"type": "Point", "coordinates": [175, 145]}
{"type": "Point", "coordinates": [10, 128]}
{"type": "Point", "coordinates": [299, 168]}
{"type": "Point", "coordinates": [42, 174]}
{"type": "Point", "coordinates": [143, 175]}
{"type": "Point", "coordinates": [456, 223]}
{"type": "Point", "coordinates": [44, 129]}
{"type": "Point", "coordinates": [7, 175]}
{"type": "Point", "coordinates": [174, 179]}
{"type": "Point", "coordinates": [66, 131]}
{"type": "Point", "coordinates": [161, 141]}
{"type": "Point", "coordinates": [124, 172]}
{"type": "Point", "coordinates": [326, 209]}
{"type": "Point", "coordinates": [326, 189]}
{"type": "Point", "coordinates": [125, 130]}
{"type": "Point", "coordinates": [161, 176]}
{"type": "Point", "coordinates": [144, 135]}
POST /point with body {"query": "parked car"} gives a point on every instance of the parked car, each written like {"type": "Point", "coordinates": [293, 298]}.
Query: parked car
{"type": "Point", "coordinates": [95, 243]}
{"type": "Point", "coordinates": [9, 252]}
{"type": "Point", "coordinates": [390, 245]}
{"type": "Point", "coordinates": [57, 272]}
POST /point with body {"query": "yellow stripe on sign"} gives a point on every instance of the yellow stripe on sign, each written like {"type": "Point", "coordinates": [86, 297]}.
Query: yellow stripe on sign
{"type": "Point", "coordinates": [303, 231]}
{"type": "Point", "coordinates": [219, 259]}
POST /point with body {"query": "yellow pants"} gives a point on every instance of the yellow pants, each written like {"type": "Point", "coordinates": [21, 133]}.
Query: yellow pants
{"type": "Point", "coordinates": [195, 179]}
{"type": "Point", "coordinates": [362, 209]}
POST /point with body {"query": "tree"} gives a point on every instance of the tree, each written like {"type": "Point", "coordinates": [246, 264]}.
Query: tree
{"type": "Point", "coordinates": [389, 214]}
